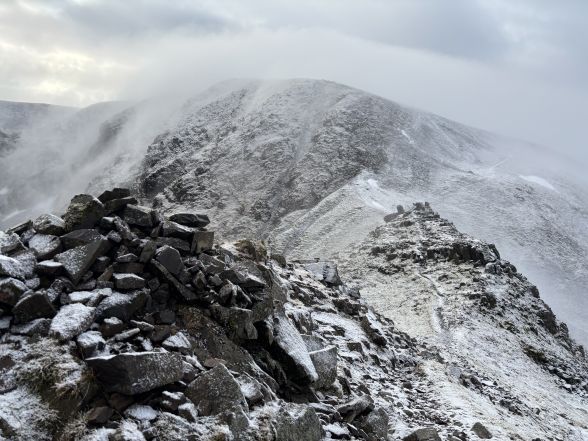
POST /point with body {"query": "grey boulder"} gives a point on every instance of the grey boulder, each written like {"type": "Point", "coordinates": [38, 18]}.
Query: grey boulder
{"type": "Point", "coordinates": [190, 219]}
{"type": "Point", "coordinates": [78, 260]}
{"type": "Point", "coordinates": [45, 246]}
{"type": "Point", "coordinates": [84, 211]}
{"type": "Point", "coordinates": [136, 372]}
{"type": "Point", "coordinates": [71, 321]}
{"type": "Point", "coordinates": [49, 224]}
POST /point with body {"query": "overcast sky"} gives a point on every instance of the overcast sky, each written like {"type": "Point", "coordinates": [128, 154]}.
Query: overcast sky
{"type": "Point", "coordinates": [515, 67]}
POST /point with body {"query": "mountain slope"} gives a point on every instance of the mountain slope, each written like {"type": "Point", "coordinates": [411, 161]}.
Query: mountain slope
{"type": "Point", "coordinates": [313, 166]}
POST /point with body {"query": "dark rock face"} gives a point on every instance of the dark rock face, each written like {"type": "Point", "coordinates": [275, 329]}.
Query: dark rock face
{"type": "Point", "coordinates": [80, 237]}
{"type": "Point", "coordinates": [139, 216]}
{"type": "Point", "coordinates": [203, 241]}
{"type": "Point", "coordinates": [216, 391]}
{"type": "Point", "coordinates": [84, 211]}
{"type": "Point", "coordinates": [298, 423]}
{"type": "Point", "coordinates": [137, 372]}
{"type": "Point", "coordinates": [480, 430]}
{"type": "Point", "coordinates": [11, 291]}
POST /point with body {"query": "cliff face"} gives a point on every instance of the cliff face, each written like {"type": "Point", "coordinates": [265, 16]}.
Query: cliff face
{"type": "Point", "coordinates": [121, 322]}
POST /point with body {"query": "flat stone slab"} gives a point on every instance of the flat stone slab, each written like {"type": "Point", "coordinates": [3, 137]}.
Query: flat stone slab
{"type": "Point", "coordinates": [136, 372]}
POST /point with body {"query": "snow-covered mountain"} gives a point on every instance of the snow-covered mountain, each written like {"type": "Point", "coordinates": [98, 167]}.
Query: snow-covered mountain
{"type": "Point", "coordinates": [313, 166]}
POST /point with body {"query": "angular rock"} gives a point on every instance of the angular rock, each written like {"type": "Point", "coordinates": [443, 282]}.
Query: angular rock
{"type": "Point", "coordinates": [215, 391]}
{"type": "Point", "coordinates": [80, 237]}
{"type": "Point", "coordinates": [45, 246]}
{"type": "Point", "coordinates": [139, 216]}
{"type": "Point", "coordinates": [49, 268]}
{"type": "Point", "coordinates": [71, 320]}
{"type": "Point", "coordinates": [84, 211]}
{"type": "Point", "coordinates": [121, 306]}
{"type": "Point", "coordinates": [49, 224]}
{"type": "Point", "coordinates": [28, 262]}
{"type": "Point", "coordinates": [237, 321]}
{"type": "Point", "coordinates": [324, 271]}
{"type": "Point", "coordinates": [11, 290]}
{"type": "Point", "coordinates": [90, 342]}
{"type": "Point", "coordinates": [297, 422]}
{"type": "Point", "coordinates": [202, 241]}
{"type": "Point", "coordinates": [20, 228]}
{"type": "Point", "coordinates": [375, 424]}
{"type": "Point", "coordinates": [112, 326]}
{"type": "Point", "coordinates": [115, 205]}
{"type": "Point", "coordinates": [178, 287]}
{"type": "Point", "coordinates": [128, 281]}
{"type": "Point", "coordinates": [148, 251]}
{"type": "Point", "coordinates": [88, 298]}
{"type": "Point", "coordinates": [289, 347]}
{"type": "Point", "coordinates": [33, 306]}
{"type": "Point", "coordinates": [188, 411]}
{"type": "Point", "coordinates": [170, 258]}
{"type": "Point", "coordinates": [356, 407]}
{"type": "Point", "coordinates": [115, 193]}
{"type": "Point", "coordinates": [136, 372]}
{"type": "Point", "coordinates": [173, 229]}
{"type": "Point", "coordinates": [325, 363]}
{"type": "Point", "coordinates": [9, 242]}
{"type": "Point", "coordinates": [178, 342]}
{"type": "Point", "coordinates": [425, 434]}
{"type": "Point", "coordinates": [78, 260]}
{"type": "Point", "coordinates": [10, 267]}
{"type": "Point", "coordinates": [481, 430]}
{"type": "Point", "coordinates": [34, 327]}
{"type": "Point", "coordinates": [190, 219]}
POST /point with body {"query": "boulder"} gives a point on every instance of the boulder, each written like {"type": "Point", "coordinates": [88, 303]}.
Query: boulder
{"type": "Point", "coordinates": [237, 321]}
{"type": "Point", "coordinates": [178, 342]}
{"type": "Point", "coordinates": [289, 347]}
{"type": "Point", "coordinates": [79, 237]}
{"type": "Point", "coordinates": [11, 290]}
{"type": "Point", "coordinates": [45, 246]}
{"type": "Point", "coordinates": [34, 327]}
{"type": "Point", "coordinates": [9, 242]}
{"type": "Point", "coordinates": [139, 216]}
{"type": "Point", "coordinates": [425, 434]}
{"type": "Point", "coordinates": [49, 224]}
{"type": "Point", "coordinates": [115, 205]}
{"type": "Point", "coordinates": [177, 286]}
{"type": "Point", "coordinates": [481, 430]}
{"type": "Point", "coordinates": [297, 422]}
{"type": "Point", "coordinates": [121, 306]}
{"type": "Point", "coordinates": [33, 306]}
{"type": "Point", "coordinates": [49, 268]}
{"type": "Point", "coordinates": [127, 281]}
{"type": "Point", "coordinates": [173, 229]}
{"type": "Point", "coordinates": [215, 391]}
{"type": "Point", "coordinates": [112, 326]}
{"type": "Point", "coordinates": [71, 320]}
{"type": "Point", "coordinates": [202, 241]}
{"type": "Point", "coordinates": [356, 407]}
{"type": "Point", "coordinates": [181, 245]}
{"type": "Point", "coordinates": [375, 424]}
{"type": "Point", "coordinates": [148, 251]}
{"type": "Point", "coordinates": [115, 193]}
{"type": "Point", "coordinates": [190, 219]}
{"type": "Point", "coordinates": [136, 372]}
{"type": "Point", "coordinates": [84, 211]}
{"type": "Point", "coordinates": [90, 342]}
{"type": "Point", "coordinates": [324, 271]}
{"type": "Point", "coordinates": [325, 363]}
{"type": "Point", "coordinates": [170, 258]}
{"type": "Point", "coordinates": [78, 260]}
{"type": "Point", "coordinates": [10, 267]}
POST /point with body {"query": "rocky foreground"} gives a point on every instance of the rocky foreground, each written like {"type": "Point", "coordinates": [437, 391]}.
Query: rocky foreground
{"type": "Point", "coordinates": [120, 323]}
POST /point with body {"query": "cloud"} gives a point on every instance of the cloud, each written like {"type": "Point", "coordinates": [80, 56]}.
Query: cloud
{"type": "Point", "coordinates": [514, 67]}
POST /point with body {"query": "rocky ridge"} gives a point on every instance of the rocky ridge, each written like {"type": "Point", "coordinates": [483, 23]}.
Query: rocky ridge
{"type": "Point", "coordinates": [494, 348]}
{"type": "Point", "coordinates": [119, 323]}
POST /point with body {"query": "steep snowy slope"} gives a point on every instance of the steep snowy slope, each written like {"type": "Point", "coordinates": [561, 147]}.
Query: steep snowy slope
{"type": "Point", "coordinates": [313, 166]}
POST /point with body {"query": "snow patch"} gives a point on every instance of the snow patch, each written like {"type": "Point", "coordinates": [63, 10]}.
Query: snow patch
{"type": "Point", "coordinates": [407, 136]}
{"type": "Point", "coordinates": [539, 181]}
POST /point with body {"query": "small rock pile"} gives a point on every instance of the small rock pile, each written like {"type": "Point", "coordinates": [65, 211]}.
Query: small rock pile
{"type": "Point", "coordinates": [121, 324]}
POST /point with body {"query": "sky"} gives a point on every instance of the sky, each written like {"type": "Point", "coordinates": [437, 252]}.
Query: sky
{"type": "Point", "coordinates": [516, 67]}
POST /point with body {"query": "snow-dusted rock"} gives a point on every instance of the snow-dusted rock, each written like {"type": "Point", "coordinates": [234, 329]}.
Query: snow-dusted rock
{"type": "Point", "coordinates": [84, 211]}
{"type": "Point", "coordinates": [215, 391]}
{"type": "Point", "coordinates": [11, 290]}
{"type": "Point", "coordinates": [78, 260]}
{"type": "Point", "coordinates": [10, 267]}
{"type": "Point", "coordinates": [49, 224]}
{"type": "Point", "coordinates": [71, 320]}
{"type": "Point", "coordinates": [136, 372]}
{"type": "Point", "coordinates": [33, 306]}
{"type": "Point", "coordinates": [45, 246]}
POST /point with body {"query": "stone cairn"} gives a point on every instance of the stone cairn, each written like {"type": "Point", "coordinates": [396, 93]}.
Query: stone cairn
{"type": "Point", "coordinates": [124, 324]}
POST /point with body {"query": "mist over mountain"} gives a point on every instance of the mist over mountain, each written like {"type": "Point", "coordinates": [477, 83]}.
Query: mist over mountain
{"type": "Point", "coordinates": [312, 167]}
